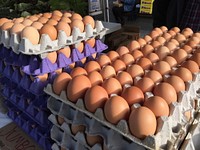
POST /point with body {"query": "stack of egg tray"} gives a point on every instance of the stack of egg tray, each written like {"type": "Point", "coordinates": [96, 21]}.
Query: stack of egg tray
{"type": "Point", "coordinates": [171, 130]}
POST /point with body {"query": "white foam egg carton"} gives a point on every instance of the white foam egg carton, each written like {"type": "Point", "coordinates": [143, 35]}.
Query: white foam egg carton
{"type": "Point", "coordinates": [24, 45]}
{"type": "Point", "coordinates": [170, 128]}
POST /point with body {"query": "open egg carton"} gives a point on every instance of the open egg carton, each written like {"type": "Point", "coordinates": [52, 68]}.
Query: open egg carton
{"type": "Point", "coordinates": [45, 45]}
{"type": "Point", "coordinates": [38, 133]}
{"type": "Point", "coordinates": [170, 131]}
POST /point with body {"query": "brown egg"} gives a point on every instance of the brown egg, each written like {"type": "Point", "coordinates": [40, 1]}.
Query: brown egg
{"type": "Point", "coordinates": [60, 120]}
{"type": "Point", "coordinates": [27, 22]}
{"type": "Point", "coordinates": [65, 19]}
{"type": "Point", "coordinates": [162, 67]}
{"type": "Point", "coordinates": [159, 31]}
{"type": "Point", "coordinates": [166, 91]}
{"type": "Point", "coordinates": [118, 65]}
{"type": "Point", "coordinates": [95, 78]}
{"type": "Point", "coordinates": [153, 57]}
{"type": "Point", "coordinates": [7, 26]}
{"type": "Point", "coordinates": [64, 27]}
{"type": "Point", "coordinates": [56, 17]}
{"type": "Point", "coordinates": [172, 33]}
{"type": "Point", "coordinates": [61, 82]}
{"type": "Point", "coordinates": [164, 28]}
{"type": "Point", "coordinates": [176, 82]}
{"type": "Point", "coordinates": [18, 20]}
{"type": "Point", "coordinates": [77, 87]}
{"type": "Point", "coordinates": [122, 50]}
{"type": "Point", "coordinates": [171, 46]}
{"type": "Point", "coordinates": [89, 20]}
{"type": "Point", "coordinates": [114, 114]}
{"type": "Point", "coordinates": [32, 34]}
{"type": "Point", "coordinates": [128, 59]}
{"type": "Point", "coordinates": [192, 44]}
{"type": "Point", "coordinates": [77, 128]}
{"type": "Point", "coordinates": [142, 42]}
{"type": "Point", "coordinates": [42, 78]}
{"type": "Point", "coordinates": [187, 32]}
{"type": "Point", "coordinates": [153, 34]}
{"type": "Point", "coordinates": [52, 22]}
{"type": "Point", "coordinates": [145, 84]}
{"type": "Point", "coordinates": [52, 56]}
{"type": "Point", "coordinates": [196, 58]}
{"type": "Point", "coordinates": [124, 78]}
{"type": "Point", "coordinates": [145, 63]}
{"type": "Point", "coordinates": [133, 45]}
{"type": "Point", "coordinates": [157, 105]}
{"type": "Point", "coordinates": [80, 47]}
{"type": "Point", "coordinates": [161, 40]}
{"type": "Point", "coordinates": [78, 71]}
{"type": "Point", "coordinates": [37, 25]}
{"type": "Point", "coordinates": [95, 97]}
{"type": "Point", "coordinates": [103, 60]}
{"type": "Point", "coordinates": [141, 126]}
{"type": "Point", "coordinates": [171, 61]}
{"type": "Point", "coordinates": [137, 54]}
{"type": "Point", "coordinates": [66, 51]}
{"type": "Point", "coordinates": [67, 14]}
{"type": "Point", "coordinates": [50, 31]}
{"type": "Point", "coordinates": [147, 49]}
{"type": "Point", "coordinates": [187, 48]}
{"type": "Point", "coordinates": [93, 139]}
{"type": "Point", "coordinates": [167, 36]}
{"type": "Point", "coordinates": [112, 86]}
{"type": "Point", "coordinates": [43, 20]}
{"type": "Point", "coordinates": [154, 75]}
{"type": "Point", "coordinates": [91, 42]}
{"type": "Point", "coordinates": [135, 70]}
{"type": "Point", "coordinates": [147, 38]}
{"type": "Point", "coordinates": [191, 65]}
{"type": "Point", "coordinates": [180, 55]}
{"type": "Point", "coordinates": [195, 39]}
{"type": "Point", "coordinates": [92, 66]}
{"type": "Point", "coordinates": [47, 15]}
{"type": "Point", "coordinates": [197, 34]}
{"type": "Point", "coordinates": [180, 38]}
{"type": "Point", "coordinates": [17, 28]}
{"type": "Point", "coordinates": [57, 12]}
{"type": "Point", "coordinates": [113, 55]}
{"type": "Point", "coordinates": [76, 16]}
{"type": "Point", "coordinates": [176, 29]}
{"type": "Point", "coordinates": [3, 20]}
{"type": "Point", "coordinates": [108, 72]}
{"type": "Point", "coordinates": [33, 18]}
{"type": "Point", "coordinates": [162, 52]}
{"type": "Point", "coordinates": [175, 42]}
{"type": "Point", "coordinates": [78, 24]}
{"type": "Point", "coordinates": [155, 44]}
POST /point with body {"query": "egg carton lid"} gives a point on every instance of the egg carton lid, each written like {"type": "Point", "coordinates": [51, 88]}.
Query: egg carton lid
{"type": "Point", "coordinates": [46, 44]}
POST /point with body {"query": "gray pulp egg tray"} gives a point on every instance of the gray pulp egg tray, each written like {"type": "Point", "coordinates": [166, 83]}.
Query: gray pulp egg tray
{"type": "Point", "coordinates": [170, 131]}
{"type": "Point", "coordinates": [45, 45]}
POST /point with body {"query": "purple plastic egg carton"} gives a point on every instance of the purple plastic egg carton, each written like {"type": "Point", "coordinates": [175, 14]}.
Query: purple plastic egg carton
{"type": "Point", "coordinates": [37, 66]}
{"type": "Point", "coordinates": [39, 134]}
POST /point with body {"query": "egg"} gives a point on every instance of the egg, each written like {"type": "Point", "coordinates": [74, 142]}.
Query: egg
{"type": "Point", "coordinates": [162, 67]}
{"type": "Point", "coordinates": [32, 34]}
{"type": "Point", "coordinates": [33, 18]}
{"type": "Point", "coordinates": [147, 49]}
{"type": "Point", "coordinates": [52, 57]}
{"type": "Point", "coordinates": [154, 75]}
{"type": "Point", "coordinates": [17, 28]}
{"type": "Point", "coordinates": [92, 66]}
{"type": "Point", "coordinates": [7, 26]}
{"type": "Point", "coordinates": [52, 22]}
{"type": "Point", "coordinates": [118, 65]}
{"type": "Point", "coordinates": [65, 51]}
{"type": "Point", "coordinates": [91, 42]}
{"type": "Point", "coordinates": [113, 55]}
{"type": "Point", "coordinates": [76, 16]}
{"type": "Point", "coordinates": [3, 20]}
{"type": "Point", "coordinates": [186, 33]}
{"type": "Point", "coordinates": [161, 40]}
{"type": "Point", "coordinates": [114, 114]}
{"type": "Point", "coordinates": [18, 20]}
{"type": "Point", "coordinates": [59, 71]}
{"type": "Point", "coordinates": [197, 34]}
{"type": "Point", "coordinates": [145, 63]}
{"type": "Point", "coordinates": [47, 15]}
{"type": "Point", "coordinates": [122, 50]}
{"type": "Point", "coordinates": [89, 20]}
{"type": "Point", "coordinates": [175, 42]}
{"type": "Point", "coordinates": [183, 73]}
{"type": "Point", "coordinates": [171, 46]}
{"type": "Point", "coordinates": [128, 59]}
{"type": "Point", "coordinates": [171, 61]}
{"type": "Point", "coordinates": [160, 32]}
{"type": "Point", "coordinates": [103, 60]}
{"type": "Point", "coordinates": [65, 19]}
{"type": "Point", "coordinates": [172, 33]}
{"type": "Point", "coordinates": [180, 55]}
{"type": "Point", "coordinates": [75, 128]}
{"type": "Point", "coordinates": [93, 139]}
{"type": "Point", "coordinates": [189, 30]}
{"type": "Point", "coordinates": [141, 126]}
{"type": "Point", "coordinates": [95, 97]}
{"type": "Point", "coordinates": [187, 48]}
{"type": "Point", "coordinates": [133, 45]}
{"type": "Point", "coordinates": [57, 12]}
{"type": "Point", "coordinates": [192, 44]}
{"type": "Point", "coordinates": [154, 34]}
{"type": "Point", "coordinates": [60, 120]}
{"type": "Point", "coordinates": [80, 47]}
{"type": "Point", "coordinates": [155, 44]}
{"type": "Point", "coordinates": [77, 87]}
{"type": "Point", "coordinates": [56, 17]}
{"type": "Point", "coordinates": [50, 31]}
{"type": "Point", "coordinates": [137, 54]}
{"type": "Point", "coordinates": [145, 84]}
{"type": "Point", "coordinates": [112, 86]}
{"type": "Point", "coordinates": [169, 96]}
{"type": "Point", "coordinates": [164, 28]}
{"type": "Point", "coordinates": [147, 38]}
{"type": "Point", "coordinates": [107, 72]}
{"type": "Point", "coordinates": [176, 29]}
{"type": "Point", "coordinates": [195, 39]}
{"type": "Point", "coordinates": [180, 38]}
{"type": "Point", "coordinates": [176, 82]}
{"type": "Point", "coordinates": [135, 70]}
{"type": "Point", "coordinates": [43, 20]}
{"type": "Point", "coordinates": [162, 52]}
{"type": "Point", "coordinates": [142, 42]}
{"type": "Point", "coordinates": [77, 24]}
{"type": "Point", "coordinates": [67, 14]}
{"type": "Point", "coordinates": [196, 58]}
{"type": "Point", "coordinates": [64, 27]}
{"type": "Point", "coordinates": [37, 25]}
{"type": "Point", "coordinates": [60, 83]}
{"type": "Point", "coordinates": [78, 71]}
{"type": "Point", "coordinates": [191, 65]}
{"type": "Point", "coordinates": [153, 57]}
{"type": "Point", "coordinates": [95, 78]}
{"type": "Point", "coordinates": [27, 22]}
{"type": "Point", "coordinates": [124, 78]}
{"type": "Point", "coordinates": [167, 36]}
{"type": "Point", "coordinates": [157, 105]}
